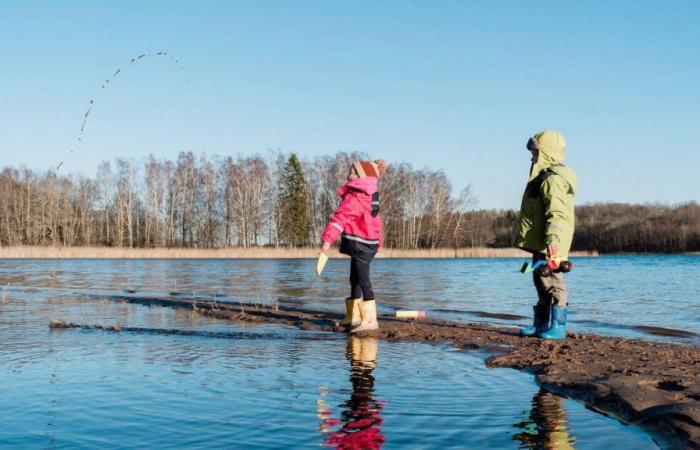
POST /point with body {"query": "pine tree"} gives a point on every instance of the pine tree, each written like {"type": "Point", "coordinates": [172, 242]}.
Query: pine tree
{"type": "Point", "coordinates": [294, 220]}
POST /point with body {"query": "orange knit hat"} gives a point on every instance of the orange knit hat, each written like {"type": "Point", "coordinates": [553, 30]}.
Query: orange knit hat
{"type": "Point", "coordinates": [375, 168]}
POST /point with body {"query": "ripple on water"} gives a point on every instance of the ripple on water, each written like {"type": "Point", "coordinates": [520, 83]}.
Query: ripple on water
{"type": "Point", "coordinates": [263, 386]}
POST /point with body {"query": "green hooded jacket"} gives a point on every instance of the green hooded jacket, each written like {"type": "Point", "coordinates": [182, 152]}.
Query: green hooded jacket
{"type": "Point", "coordinates": [547, 210]}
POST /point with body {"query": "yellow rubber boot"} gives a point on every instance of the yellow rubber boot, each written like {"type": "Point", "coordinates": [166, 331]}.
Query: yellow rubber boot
{"type": "Point", "coordinates": [368, 311]}
{"type": "Point", "coordinates": [352, 312]}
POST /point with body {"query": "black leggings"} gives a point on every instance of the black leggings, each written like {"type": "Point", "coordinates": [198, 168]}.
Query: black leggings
{"type": "Point", "coordinates": [360, 284]}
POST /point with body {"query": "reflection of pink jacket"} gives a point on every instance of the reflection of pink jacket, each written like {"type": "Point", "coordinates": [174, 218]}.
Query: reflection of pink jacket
{"type": "Point", "coordinates": [357, 218]}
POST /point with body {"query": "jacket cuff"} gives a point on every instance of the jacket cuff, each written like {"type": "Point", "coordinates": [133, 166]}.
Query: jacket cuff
{"type": "Point", "coordinates": [551, 239]}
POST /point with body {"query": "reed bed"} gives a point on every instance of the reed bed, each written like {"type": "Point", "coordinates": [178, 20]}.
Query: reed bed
{"type": "Point", "coordinates": [30, 252]}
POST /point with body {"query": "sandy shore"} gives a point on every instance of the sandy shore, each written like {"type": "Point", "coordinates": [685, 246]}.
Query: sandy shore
{"type": "Point", "coordinates": [653, 385]}
{"type": "Point", "coordinates": [247, 253]}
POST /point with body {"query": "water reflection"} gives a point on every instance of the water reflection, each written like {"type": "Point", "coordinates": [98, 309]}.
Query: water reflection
{"type": "Point", "coordinates": [73, 388]}
{"type": "Point", "coordinates": [545, 426]}
{"type": "Point", "coordinates": [360, 420]}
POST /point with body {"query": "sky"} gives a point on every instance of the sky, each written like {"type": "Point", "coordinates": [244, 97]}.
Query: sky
{"type": "Point", "coordinates": [457, 86]}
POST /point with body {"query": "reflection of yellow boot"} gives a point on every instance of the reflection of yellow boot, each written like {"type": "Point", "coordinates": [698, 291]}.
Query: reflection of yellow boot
{"type": "Point", "coordinates": [368, 311]}
{"type": "Point", "coordinates": [363, 351]}
{"type": "Point", "coordinates": [368, 355]}
{"type": "Point", "coordinates": [352, 312]}
{"type": "Point", "coordinates": [354, 348]}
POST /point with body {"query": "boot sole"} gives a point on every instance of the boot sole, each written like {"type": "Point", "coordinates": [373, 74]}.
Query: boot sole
{"type": "Point", "coordinates": [346, 327]}
{"type": "Point", "coordinates": [545, 338]}
{"type": "Point", "coordinates": [366, 328]}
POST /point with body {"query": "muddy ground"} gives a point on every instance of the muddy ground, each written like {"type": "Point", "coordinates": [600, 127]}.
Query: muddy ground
{"type": "Point", "coordinates": [653, 385]}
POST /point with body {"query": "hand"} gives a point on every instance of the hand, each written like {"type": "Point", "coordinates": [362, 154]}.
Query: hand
{"type": "Point", "coordinates": [325, 247]}
{"type": "Point", "coordinates": [552, 250]}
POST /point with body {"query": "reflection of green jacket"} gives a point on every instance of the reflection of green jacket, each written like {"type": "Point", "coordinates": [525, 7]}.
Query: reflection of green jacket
{"type": "Point", "coordinates": [547, 211]}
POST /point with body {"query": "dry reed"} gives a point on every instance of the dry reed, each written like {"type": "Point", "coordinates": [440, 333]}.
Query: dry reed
{"type": "Point", "coordinates": [31, 252]}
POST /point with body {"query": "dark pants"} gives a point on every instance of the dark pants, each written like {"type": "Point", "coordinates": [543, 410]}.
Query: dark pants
{"type": "Point", "coordinates": [360, 284]}
{"type": "Point", "coordinates": [361, 256]}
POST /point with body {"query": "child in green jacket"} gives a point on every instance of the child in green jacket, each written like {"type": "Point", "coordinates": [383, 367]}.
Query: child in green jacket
{"type": "Point", "coordinates": [547, 229]}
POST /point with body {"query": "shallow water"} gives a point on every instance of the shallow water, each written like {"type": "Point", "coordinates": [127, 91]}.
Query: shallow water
{"type": "Point", "coordinates": [655, 297]}
{"type": "Point", "coordinates": [253, 386]}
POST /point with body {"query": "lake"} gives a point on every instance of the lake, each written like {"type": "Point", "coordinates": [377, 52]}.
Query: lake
{"type": "Point", "coordinates": [268, 386]}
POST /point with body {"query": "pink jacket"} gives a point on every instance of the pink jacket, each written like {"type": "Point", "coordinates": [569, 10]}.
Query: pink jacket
{"type": "Point", "coordinates": [357, 217]}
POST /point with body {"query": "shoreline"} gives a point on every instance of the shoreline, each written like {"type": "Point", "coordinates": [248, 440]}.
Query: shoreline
{"type": "Point", "coordinates": [31, 252]}
{"type": "Point", "coordinates": [650, 384]}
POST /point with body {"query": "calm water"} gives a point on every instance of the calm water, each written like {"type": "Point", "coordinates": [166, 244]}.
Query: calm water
{"type": "Point", "coordinates": [274, 387]}
{"type": "Point", "coordinates": [616, 295]}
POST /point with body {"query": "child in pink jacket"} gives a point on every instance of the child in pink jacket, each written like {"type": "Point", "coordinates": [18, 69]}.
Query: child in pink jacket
{"type": "Point", "coordinates": [359, 225]}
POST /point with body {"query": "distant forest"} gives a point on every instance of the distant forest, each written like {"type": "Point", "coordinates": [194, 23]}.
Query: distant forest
{"type": "Point", "coordinates": [279, 200]}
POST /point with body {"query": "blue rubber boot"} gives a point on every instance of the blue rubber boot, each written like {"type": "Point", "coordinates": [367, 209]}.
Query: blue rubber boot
{"type": "Point", "coordinates": [541, 321]}
{"type": "Point", "coordinates": [557, 331]}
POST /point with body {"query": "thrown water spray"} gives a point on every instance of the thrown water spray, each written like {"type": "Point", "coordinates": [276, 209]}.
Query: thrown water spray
{"type": "Point", "coordinates": [112, 79]}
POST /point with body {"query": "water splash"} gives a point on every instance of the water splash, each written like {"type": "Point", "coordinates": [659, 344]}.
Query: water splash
{"type": "Point", "coordinates": [85, 117]}
{"type": "Point", "coordinates": [115, 74]}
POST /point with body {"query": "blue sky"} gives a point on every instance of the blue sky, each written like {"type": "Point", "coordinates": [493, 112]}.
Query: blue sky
{"type": "Point", "coordinates": [453, 85]}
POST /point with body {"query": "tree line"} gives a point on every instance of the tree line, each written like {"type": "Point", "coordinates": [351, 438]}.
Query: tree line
{"type": "Point", "coordinates": [279, 199]}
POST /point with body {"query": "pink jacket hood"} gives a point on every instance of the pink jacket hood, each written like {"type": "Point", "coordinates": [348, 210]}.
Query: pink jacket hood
{"type": "Point", "coordinates": [368, 185]}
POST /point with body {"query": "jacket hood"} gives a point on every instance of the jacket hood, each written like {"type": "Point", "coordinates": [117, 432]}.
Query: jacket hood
{"type": "Point", "coordinates": [551, 145]}
{"type": "Point", "coordinates": [368, 185]}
